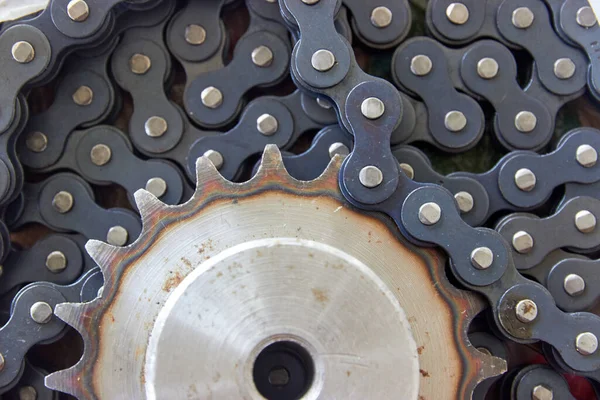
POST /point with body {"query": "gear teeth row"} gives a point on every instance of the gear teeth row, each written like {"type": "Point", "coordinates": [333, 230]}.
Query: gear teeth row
{"type": "Point", "coordinates": [209, 183]}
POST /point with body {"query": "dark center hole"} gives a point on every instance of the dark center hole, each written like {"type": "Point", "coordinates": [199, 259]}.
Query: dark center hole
{"type": "Point", "coordinates": [283, 371]}
{"type": "Point", "coordinates": [279, 376]}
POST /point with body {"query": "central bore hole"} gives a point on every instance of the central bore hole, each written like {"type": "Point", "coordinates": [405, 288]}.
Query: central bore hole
{"type": "Point", "coordinates": [283, 371]}
{"type": "Point", "coordinates": [279, 376]}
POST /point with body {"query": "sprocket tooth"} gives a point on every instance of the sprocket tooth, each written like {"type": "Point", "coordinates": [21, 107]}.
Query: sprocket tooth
{"type": "Point", "coordinates": [62, 381]}
{"type": "Point", "coordinates": [490, 365]}
{"type": "Point", "coordinates": [206, 172]}
{"type": "Point", "coordinates": [332, 170]}
{"type": "Point", "coordinates": [148, 204]}
{"type": "Point", "coordinates": [102, 253]}
{"type": "Point", "coordinates": [271, 163]}
{"type": "Point", "coordinates": [71, 313]}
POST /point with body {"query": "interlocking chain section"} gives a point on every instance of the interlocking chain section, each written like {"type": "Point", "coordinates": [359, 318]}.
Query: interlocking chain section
{"type": "Point", "coordinates": [512, 64]}
{"type": "Point", "coordinates": [524, 311]}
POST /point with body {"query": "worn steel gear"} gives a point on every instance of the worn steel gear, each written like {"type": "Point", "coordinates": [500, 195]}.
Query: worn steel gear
{"type": "Point", "coordinates": [275, 287]}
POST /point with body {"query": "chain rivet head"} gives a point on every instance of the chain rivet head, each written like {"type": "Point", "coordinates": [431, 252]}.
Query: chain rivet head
{"type": "Point", "coordinates": [211, 97]}
{"type": "Point", "coordinates": [372, 108]}
{"type": "Point", "coordinates": [322, 60]}
{"type": "Point", "coordinates": [465, 201]}
{"type": "Point", "coordinates": [455, 121]}
{"type": "Point", "coordinates": [78, 10]}
{"type": "Point", "coordinates": [139, 64]}
{"type": "Point", "coordinates": [408, 170]}
{"type": "Point", "coordinates": [574, 285]}
{"type": "Point", "coordinates": [117, 236]}
{"type": "Point", "coordinates": [262, 56]}
{"type": "Point", "coordinates": [586, 343]}
{"type": "Point", "coordinates": [525, 121]}
{"type": "Point", "coordinates": [41, 312]}
{"type": "Point", "coordinates": [155, 126]}
{"type": "Point", "coordinates": [381, 17]}
{"type": "Point", "coordinates": [430, 213]}
{"type": "Point", "coordinates": [323, 103]}
{"type": "Point", "coordinates": [195, 34]}
{"type": "Point", "coordinates": [586, 17]}
{"type": "Point", "coordinates": [267, 124]}
{"type": "Point", "coordinates": [83, 96]}
{"type": "Point", "coordinates": [100, 154]}
{"type": "Point", "coordinates": [56, 261]}
{"type": "Point", "coordinates": [36, 142]}
{"type": "Point", "coordinates": [525, 179]}
{"type": "Point", "coordinates": [585, 221]}
{"type": "Point", "coordinates": [487, 68]}
{"type": "Point", "coordinates": [526, 311]}
{"type": "Point", "coordinates": [457, 13]}
{"type": "Point", "coordinates": [421, 65]}
{"type": "Point", "coordinates": [23, 52]}
{"type": "Point", "coordinates": [522, 17]}
{"type": "Point", "coordinates": [215, 158]}
{"type": "Point", "coordinates": [370, 176]}
{"type": "Point", "coordinates": [564, 68]}
{"type": "Point", "coordinates": [63, 202]}
{"type": "Point", "coordinates": [157, 186]}
{"type": "Point", "coordinates": [541, 392]}
{"type": "Point", "coordinates": [586, 156]}
{"type": "Point", "coordinates": [482, 257]}
{"type": "Point", "coordinates": [338, 148]}
{"type": "Point", "coordinates": [522, 242]}
{"type": "Point", "coordinates": [27, 393]}
{"type": "Point", "coordinates": [485, 351]}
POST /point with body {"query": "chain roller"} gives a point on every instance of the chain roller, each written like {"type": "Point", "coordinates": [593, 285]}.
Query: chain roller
{"type": "Point", "coordinates": [442, 100]}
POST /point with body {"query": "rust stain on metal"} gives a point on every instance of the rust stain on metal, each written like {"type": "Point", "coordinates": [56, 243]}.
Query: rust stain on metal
{"type": "Point", "coordinates": [320, 295]}
{"type": "Point", "coordinates": [187, 262]}
{"type": "Point", "coordinates": [208, 245]}
{"type": "Point", "coordinates": [215, 192]}
{"type": "Point", "coordinates": [173, 281]}
{"type": "Point", "coordinates": [509, 320]}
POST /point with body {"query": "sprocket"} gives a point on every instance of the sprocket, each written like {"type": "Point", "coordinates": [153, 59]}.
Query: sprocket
{"type": "Point", "coordinates": [273, 287]}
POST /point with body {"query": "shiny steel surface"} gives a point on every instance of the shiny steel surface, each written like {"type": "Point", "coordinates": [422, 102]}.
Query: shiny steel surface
{"type": "Point", "coordinates": [187, 307]}
{"type": "Point", "coordinates": [268, 290]}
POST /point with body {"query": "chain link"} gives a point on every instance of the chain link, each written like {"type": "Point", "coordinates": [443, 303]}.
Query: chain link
{"type": "Point", "coordinates": [93, 54]}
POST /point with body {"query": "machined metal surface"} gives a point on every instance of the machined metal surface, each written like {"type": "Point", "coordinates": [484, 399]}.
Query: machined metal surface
{"type": "Point", "coordinates": [330, 273]}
